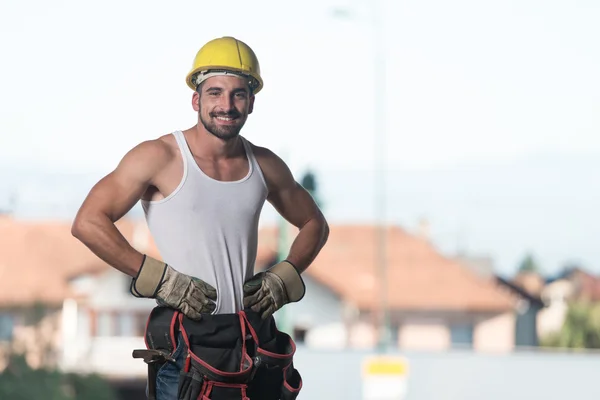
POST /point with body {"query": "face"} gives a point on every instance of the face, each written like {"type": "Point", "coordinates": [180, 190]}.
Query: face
{"type": "Point", "coordinates": [223, 104]}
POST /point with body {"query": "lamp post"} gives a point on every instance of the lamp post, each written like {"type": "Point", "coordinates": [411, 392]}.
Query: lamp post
{"type": "Point", "coordinates": [379, 170]}
{"type": "Point", "coordinates": [283, 248]}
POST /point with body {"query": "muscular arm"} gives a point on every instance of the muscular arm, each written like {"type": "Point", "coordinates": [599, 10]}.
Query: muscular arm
{"type": "Point", "coordinates": [297, 206]}
{"type": "Point", "coordinates": [110, 199]}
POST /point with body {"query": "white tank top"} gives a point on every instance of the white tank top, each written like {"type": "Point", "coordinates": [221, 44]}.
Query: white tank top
{"type": "Point", "coordinates": [208, 228]}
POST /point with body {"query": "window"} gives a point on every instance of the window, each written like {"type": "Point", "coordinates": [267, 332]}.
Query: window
{"type": "Point", "coordinates": [114, 323]}
{"type": "Point", "coordinates": [6, 327]}
{"type": "Point", "coordinates": [461, 335]}
{"type": "Point", "coordinates": [141, 320]}
{"type": "Point", "coordinates": [104, 324]}
{"type": "Point", "coordinates": [299, 334]}
{"type": "Point", "coordinates": [126, 324]}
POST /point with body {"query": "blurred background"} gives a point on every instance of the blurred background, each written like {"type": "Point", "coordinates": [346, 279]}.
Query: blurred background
{"type": "Point", "coordinates": [453, 147]}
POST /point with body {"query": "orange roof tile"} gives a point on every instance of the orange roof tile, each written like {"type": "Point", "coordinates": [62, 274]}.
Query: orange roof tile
{"type": "Point", "coordinates": [38, 257]}
{"type": "Point", "coordinates": [587, 285]}
{"type": "Point", "coordinates": [418, 276]}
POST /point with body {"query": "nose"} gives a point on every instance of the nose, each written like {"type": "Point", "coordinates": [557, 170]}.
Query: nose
{"type": "Point", "coordinates": [227, 103]}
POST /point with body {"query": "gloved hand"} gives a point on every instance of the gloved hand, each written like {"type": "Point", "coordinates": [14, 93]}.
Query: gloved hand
{"type": "Point", "coordinates": [158, 280]}
{"type": "Point", "coordinates": [268, 291]}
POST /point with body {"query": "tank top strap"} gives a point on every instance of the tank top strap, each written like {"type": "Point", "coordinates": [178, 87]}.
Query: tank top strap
{"type": "Point", "coordinates": [183, 147]}
{"type": "Point", "coordinates": [255, 166]}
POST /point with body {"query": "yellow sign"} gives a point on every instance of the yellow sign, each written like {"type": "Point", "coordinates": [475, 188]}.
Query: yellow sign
{"type": "Point", "coordinates": [385, 365]}
{"type": "Point", "coordinates": [385, 378]}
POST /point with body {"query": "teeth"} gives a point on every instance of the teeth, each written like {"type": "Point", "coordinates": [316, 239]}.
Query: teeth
{"type": "Point", "coordinates": [225, 118]}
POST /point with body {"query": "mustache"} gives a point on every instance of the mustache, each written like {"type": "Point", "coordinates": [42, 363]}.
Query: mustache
{"type": "Point", "coordinates": [228, 114]}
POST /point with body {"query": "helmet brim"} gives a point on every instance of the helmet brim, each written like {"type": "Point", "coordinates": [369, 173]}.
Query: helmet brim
{"type": "Point", "coordinates": [190, 78]}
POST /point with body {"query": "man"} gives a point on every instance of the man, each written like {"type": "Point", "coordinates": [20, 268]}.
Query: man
{"type": "Point", "coordinates": [202, 191]}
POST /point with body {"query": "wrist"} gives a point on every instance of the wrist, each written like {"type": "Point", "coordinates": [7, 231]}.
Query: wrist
{"type": "Point", "coordinates": [292, 280]}
{"type": "Point", "coordinates": [149, 277]}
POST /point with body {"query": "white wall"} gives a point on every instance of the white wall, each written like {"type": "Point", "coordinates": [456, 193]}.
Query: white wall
{"type": "Point", "coordinates": [320, 306]}
{"type": "Point", "coordinates": [424, 335]}
{"type": "Point", "coordinates": [495, 333]}
{"type": "Point", "coordinates": [118, 318]}
{"type": "Point", "coordinates": [457, 374]}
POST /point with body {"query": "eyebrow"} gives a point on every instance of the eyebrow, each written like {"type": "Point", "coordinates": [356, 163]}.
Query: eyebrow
{"type": "Point", "coordinates": [220, 89]}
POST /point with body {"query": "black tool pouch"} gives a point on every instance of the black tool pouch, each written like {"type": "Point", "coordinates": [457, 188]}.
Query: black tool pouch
{"type": "Point", "coordinates": [217, 359]}
{"type": "Point", "coordinates": [292, 383]}
{"type": "Point", "coordinates": [228, 357]}
{"type": "Point", "coordinates": [190, 385]}
{"type": "Point", "coordinates": [160, 338]}
{"type": "Point", "coordinates": [275, 376]}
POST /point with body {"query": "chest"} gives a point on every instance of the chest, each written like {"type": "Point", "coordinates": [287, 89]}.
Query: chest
{"type": "Point", "coordinates": [230, 190]}
{"type": "Point", "coordinates": [221, 174]}
{"type": "Point", "coordinates": [229, 170]}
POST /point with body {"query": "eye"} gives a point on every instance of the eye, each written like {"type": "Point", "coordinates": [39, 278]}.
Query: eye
{"type": "Point", "coordinates": [241, 95]}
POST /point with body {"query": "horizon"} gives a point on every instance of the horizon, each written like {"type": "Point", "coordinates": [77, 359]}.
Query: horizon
{"type": "Point", "coordinates": [488, 107]}
{"type": "Point", "coordinates": [513, 214]}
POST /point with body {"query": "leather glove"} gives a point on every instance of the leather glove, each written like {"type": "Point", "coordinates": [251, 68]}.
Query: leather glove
{"type": "Point", "coordinates": [157, 280]}
{"type": "Point", "coordinates": [268, 291]}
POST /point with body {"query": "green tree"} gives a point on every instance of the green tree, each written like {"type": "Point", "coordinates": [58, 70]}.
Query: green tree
{"type": "Point", "coordinates": [528, 264]}
{"type": "Point", "coordinates": [92, 387]}
{"type": "Point", "coordinates": [580, 330]}
{"type": "Point", "coordinates": [19, 381]}
{"type": "Point", "coordinates": [309, 182]}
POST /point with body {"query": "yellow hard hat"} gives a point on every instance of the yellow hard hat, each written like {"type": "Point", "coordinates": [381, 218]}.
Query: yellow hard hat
{"type": "Point", "coordinates": [226, 54]}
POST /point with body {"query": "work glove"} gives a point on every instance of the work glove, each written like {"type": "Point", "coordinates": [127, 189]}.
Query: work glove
{"type": "Point", "coordinates": [268, 291]}
{"type": "Point", "coordinates": [157, 280]}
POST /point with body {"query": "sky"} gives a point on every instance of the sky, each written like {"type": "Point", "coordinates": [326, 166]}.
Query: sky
{"type": "Point", "coordinates": [480, 99]}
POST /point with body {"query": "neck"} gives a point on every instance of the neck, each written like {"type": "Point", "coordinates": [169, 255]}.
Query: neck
{"type": "Point", "coordinates": [206, 145]}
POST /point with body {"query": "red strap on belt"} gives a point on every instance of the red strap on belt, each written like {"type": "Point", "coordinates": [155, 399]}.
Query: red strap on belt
{"type": "Point", "coordinates": [245, 366]}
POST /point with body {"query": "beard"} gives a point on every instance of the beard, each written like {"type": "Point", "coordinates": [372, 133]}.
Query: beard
{"type": "Point", "coordinates": [223, 132]}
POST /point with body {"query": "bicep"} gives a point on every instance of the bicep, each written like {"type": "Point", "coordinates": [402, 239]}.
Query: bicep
{"type": "Point", "coordinates": [287, 196]}
{"type": "Point", "coordinates": [116, 193]}
{"type": "Point", "coordinates": [294, 203]}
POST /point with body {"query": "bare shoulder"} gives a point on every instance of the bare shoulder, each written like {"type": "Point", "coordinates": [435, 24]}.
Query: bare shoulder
{"type": "Point", "coordinates": [119, 190]}
{"type": "Point", "coordinates": [149, 156]}
{"type": "Point", "coordinates": [275, 170]}
{"type": "Point", "coordinates": [289, 198]}
{"type": "Point", "coordinates": [160, 149]}
{"type": "Point", "coordinates": [266, 156]}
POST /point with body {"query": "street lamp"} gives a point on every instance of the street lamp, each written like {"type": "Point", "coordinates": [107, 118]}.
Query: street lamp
{"type": "Point", "coordinates": [379, 137]}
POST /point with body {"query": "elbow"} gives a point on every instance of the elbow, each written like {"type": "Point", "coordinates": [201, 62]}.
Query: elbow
{"type": "Point", "coordinates": [81, 227]}
{"type": "Point", "coordinates": [325, 230]}
{"type": "Point", "coordinates": [78, 227]}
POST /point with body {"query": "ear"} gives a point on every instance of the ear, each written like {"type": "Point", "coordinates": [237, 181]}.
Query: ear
{"type": "Point", "coordinates": [251, 106]}
{"type": "Point", "coordinates": [196, 101]}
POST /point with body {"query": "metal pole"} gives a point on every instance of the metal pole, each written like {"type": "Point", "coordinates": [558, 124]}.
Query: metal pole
{"type": "Point", "coordinates": [379, 128]}
{"type": "Point", "coordinates": [379, 171]}
{"type": "Point", "coordinates": [282, 252]}
{"type": "Point", "coordinates": [283, 248]}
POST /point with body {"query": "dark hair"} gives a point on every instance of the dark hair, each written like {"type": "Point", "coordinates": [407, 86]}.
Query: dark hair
{"type": "Point", "coordinates": [252, 83]}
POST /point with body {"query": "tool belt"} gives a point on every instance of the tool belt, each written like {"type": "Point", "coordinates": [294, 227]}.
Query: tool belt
{"type": "Point", "coordinates": [227, 356]}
